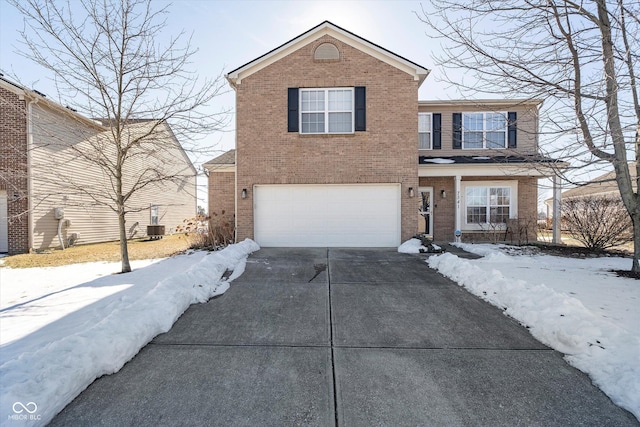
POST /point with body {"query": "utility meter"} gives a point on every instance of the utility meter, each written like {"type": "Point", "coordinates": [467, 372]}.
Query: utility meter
{"type": "Point", "coordinates": [58, 213]}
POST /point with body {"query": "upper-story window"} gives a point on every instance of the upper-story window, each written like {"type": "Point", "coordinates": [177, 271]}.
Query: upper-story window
{"type": "Point", "coordinates": [484, 130]}
{"type": "Point", "coordinates": [424, 131]}
{"type": "Point", "coordinates": [326, 110]}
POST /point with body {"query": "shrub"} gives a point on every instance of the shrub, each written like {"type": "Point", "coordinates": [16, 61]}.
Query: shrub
{"type": "Point", "coordinates": [204, 232]}
{"type": "Point", "coordinates": [599, 222]}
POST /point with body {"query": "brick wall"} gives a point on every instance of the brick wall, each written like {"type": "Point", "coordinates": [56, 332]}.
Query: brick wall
{"type": "Point", "coordinates": [385, 153]}
{"type": "Point", "coordinates": [13, 168]}
{"type": "Point", "coordinates": [221, 197]}
{"type": "Point", "coordinates": [444, 209]}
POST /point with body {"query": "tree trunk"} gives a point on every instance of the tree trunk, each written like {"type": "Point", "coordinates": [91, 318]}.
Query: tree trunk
{"type": "Point", "coordinates": [635, 267]}
{"type": "Point", "coordinates": [124, 249]}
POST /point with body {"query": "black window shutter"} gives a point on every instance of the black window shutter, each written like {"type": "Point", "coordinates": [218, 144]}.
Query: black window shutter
{"type": "Point", "coordinates": [512, 136]}
{"type": "Point", "coordinates": [361, 108]}
{"type": "Point", "coordinates": [437, 131]}
{"type": "Point", "coordinates": [293, 110]}
{"type": "Point", "coordinates": [457, 131]}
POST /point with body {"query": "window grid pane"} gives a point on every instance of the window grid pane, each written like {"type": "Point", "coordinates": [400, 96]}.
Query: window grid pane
{"type": "Point", "coordinates": [476, 215]}
{"type": "Point", "coordinates": [495, 121]}
{"type": "Point", "coordinates": [499, 215]}
{"type": "Point", "coordinates": [340, 122]}
{"type": "Point", "coordinates": [424, 122]}
{"type": "Point", "coordinates": [495, 140]}
{"type": "Point", "coordinates": [424, 141]}
{"type": "Point", "coordinates": [473, 140]}
{"type": "Point", "coordinates": [312, 122]}
{"type": "Point", "coordinates": [312, 100]}
{"type": "Point", "coordinates": [340, 100]}
{"type": "Point", "coordinates": [473, 121]}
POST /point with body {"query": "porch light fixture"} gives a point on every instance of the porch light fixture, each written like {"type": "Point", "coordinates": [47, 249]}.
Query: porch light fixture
{"type": "Point", "coordinates": [411, 193]}
{"type": "Point", "coordinates": [443, 194]}
{"type": "Point", "coordinates": [244, 193]}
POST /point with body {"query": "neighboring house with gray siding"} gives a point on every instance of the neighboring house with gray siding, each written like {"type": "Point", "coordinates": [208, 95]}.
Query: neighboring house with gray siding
{"type": "Point", "coordinates": [45, 172]}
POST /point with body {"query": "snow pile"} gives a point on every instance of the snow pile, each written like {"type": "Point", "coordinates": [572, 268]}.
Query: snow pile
{"type": "Point", "coordinates": [412, 246]}
{"type": "Point", "coordinates": [439, 161]}
{"type": "Point", "coordinates": [606, 349]}
{"type": "Point", "coordinates": [95, 337]}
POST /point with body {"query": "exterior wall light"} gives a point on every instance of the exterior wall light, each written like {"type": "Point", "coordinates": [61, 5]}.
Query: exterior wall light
{"type": "Point", "coordinates": [411, 193]}
{"type": "Point", "coordinates": [244, 193]}
{"type": "Point", "coordinates": [443, 194]}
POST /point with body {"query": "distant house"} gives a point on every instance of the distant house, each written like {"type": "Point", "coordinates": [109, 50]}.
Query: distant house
{"type": "Point", "coordinates": [333, 148]}
{"type": "Point", "coordinates": [51, 193]}
{"type": "Point", "coordinates": [602, 186]}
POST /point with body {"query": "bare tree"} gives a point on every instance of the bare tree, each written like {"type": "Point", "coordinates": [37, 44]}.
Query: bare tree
{"type": "Point", "coordinates": [581, 57]}
{"type": "Point", "coordinates": [599, 222]}
{"type": "Point", "coordinates": [112, 60]}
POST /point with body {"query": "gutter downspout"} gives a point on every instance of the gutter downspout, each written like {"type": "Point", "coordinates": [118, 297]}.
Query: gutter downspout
{"type": "Point", "coordinates": [29, 171]}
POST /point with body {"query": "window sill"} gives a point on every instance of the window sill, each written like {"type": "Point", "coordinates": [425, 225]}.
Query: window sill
{"type": "Point", "coordinates": [325, 135]}
{"type": "Point", "coordinates": [484, 149]}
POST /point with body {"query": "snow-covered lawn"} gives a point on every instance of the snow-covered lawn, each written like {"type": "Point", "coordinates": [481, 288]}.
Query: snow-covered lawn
{"type": "Point", "coordinates": [63, 327]}
{"type": "Point", "coordinates": [576, 306]}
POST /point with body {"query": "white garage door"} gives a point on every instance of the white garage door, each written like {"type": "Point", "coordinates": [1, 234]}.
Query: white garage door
{"type": "Point", "coordinates": [4, 229]}
{"type": "Point", "coordinates": [327, 215]}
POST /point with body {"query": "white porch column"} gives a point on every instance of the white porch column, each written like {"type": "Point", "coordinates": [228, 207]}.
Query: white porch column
{"type": "Point", "coordinates": [557, 211]}
{"type": "Point", "coordinates": [458, 206]}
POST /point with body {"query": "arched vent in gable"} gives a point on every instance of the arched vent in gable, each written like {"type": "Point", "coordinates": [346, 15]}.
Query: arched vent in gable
{"type": "Point", "coordinates": [326, 52]}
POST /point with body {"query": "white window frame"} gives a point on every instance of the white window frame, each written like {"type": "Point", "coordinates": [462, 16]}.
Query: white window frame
{"type": "Point", "coordinates": [485, 131]}
{"type": "Point", "coordinates": [430, 131]}
{"type": "Point", "coordinates": [326, 110]}
{"type": "Point", "coordinates": [513, 201]}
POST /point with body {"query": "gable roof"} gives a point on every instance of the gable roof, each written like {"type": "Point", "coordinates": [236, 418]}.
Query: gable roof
{"type": "Point", "coordinates": [40, 98]}
{"type": "Point", "coordinates": [225, 162]}
{"type": "Point", "coordinates": [227, 158]}
{"type": "Point", "coordinates": [603, 185]}
{"type": "Point", "coordinates": [418, 72]}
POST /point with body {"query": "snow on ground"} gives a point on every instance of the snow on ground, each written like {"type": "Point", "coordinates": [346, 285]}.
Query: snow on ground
{"type": "Point", "coordinates": [415, 246]}
{"type": "Point", "coordinates": [63, 327]}
{"type": "Point", "coordinates": [576, 306]}
{"type": "Point", "coordinates": [411, 246]}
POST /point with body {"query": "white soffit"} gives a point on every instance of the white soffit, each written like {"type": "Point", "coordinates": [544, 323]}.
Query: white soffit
{"type": "Point", "coordinates": [465, 169]}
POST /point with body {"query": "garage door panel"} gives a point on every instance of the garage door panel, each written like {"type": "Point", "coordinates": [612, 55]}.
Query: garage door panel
{"type": "Point", "coordinates": [327, 215]}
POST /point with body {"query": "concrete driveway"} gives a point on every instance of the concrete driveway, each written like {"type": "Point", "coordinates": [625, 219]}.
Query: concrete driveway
{"type": "Point", "coordinates": [348, 337]}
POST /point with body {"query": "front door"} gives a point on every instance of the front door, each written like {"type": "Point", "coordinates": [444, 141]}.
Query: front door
{"type": "Point", "coordinates": [425, 210]}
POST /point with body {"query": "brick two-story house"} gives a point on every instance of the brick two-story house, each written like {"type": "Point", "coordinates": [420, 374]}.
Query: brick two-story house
{"type": "Point", "coordinates": [333, 148]}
